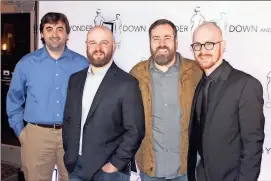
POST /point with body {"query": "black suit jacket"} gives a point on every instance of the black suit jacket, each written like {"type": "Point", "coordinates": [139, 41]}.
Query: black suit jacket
{"type": "Point", "coordinates": [114, 128]}
{"type": "Point", "coordinates": [234, 130]}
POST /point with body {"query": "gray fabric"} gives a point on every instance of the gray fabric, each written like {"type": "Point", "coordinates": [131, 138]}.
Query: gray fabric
{"type": "Point", "coordinates": [166, 116]}
{"type": "Point", "coordinates": [145, 177]}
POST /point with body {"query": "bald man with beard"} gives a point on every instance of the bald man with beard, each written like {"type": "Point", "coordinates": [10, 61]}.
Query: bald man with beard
{"type": "Point", "coordinates": [104, 117]}
{"type": "Point", "coordinates": [227, 120]}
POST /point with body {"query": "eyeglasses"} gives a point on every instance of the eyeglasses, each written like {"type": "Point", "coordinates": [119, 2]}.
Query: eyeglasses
{"type": "Point", "coordinates": [208, 45]}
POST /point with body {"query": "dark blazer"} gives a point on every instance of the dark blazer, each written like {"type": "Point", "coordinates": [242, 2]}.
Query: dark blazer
{"type": "Point", "coordinates": [234, 130]}
{"type": "Point", "coordinates": [114, 127]}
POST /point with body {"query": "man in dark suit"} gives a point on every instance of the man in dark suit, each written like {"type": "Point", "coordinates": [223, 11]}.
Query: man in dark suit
{"type": "Point", "coordinates": [104, 116]}
{"type": "Point", "coordinates": [227, 120]}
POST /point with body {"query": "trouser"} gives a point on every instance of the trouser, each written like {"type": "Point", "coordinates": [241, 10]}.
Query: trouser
{"type": "Point", "coordinates": [41, 150]}
{"type": "Point", "coordinates": [145, 177]}
{"type": "Point", "coordinates": [77, 174]}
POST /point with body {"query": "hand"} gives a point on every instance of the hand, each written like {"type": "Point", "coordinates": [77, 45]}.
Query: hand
{"type": "Point", "coordinates": [109, 168]}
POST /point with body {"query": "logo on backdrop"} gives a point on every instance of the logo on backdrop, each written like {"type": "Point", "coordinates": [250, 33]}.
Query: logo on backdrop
{"type": "Point", "coordinates": [114, 25]}
{"type": "Point", "coordinates": [267, 150]}
{"type": "Point", "coordinates": [222, 22]}
{"type": "Point", "coordinates": [198, 18]}
{"type": "Point", "coordinates": [268, 88]}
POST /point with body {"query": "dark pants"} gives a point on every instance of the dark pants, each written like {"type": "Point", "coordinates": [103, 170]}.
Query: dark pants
{"type": "Point", "coordinates": [77, 174]}
{"type": "Point", "coordinates": [145, 177]}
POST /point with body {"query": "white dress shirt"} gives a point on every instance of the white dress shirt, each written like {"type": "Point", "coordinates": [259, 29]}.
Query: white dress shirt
{"type": "Point", "coordinates": [92, 84]}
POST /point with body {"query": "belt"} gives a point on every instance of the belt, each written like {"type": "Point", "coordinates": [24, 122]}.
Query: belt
{"type": "Point", "coordinates": [54, 126]}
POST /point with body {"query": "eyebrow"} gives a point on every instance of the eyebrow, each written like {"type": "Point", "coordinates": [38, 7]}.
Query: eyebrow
{"type": "Point", "coordinates": [210, 41]}
{"type": "Point", "coordinates": [164, 36]}
{"type": "Point", "coordinates": [105, 41]}
{"type": "Point", "coordinates": [60, 27]}
{"type": "Point", "coordinates": [196, 42]}
{"type": "Point", "coordinates": [156, 37]}
{"type": "Point", "coordinates": [93, 41]}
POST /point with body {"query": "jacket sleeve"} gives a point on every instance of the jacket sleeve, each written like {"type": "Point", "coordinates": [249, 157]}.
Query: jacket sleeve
{"type": "Point", "coordinates": [252, 122]}
{"type": "Point", "coordinates": [133, 123]}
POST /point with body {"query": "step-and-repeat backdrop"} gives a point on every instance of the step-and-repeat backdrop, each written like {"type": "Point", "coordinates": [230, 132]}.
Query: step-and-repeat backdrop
{"type": "Point", "coordinates": [246, 27]}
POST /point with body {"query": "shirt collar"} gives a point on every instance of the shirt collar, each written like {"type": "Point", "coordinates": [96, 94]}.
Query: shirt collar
{"type": "Point", "coordinates": [45, 53]}
{"type": "Point", "coordinates": [102, 71]}
{"type": "Point", "coordinates": [215, 75]}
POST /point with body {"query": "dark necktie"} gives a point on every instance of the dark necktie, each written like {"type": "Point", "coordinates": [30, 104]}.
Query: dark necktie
{"type": "Point", "coordinates": [203, 112]}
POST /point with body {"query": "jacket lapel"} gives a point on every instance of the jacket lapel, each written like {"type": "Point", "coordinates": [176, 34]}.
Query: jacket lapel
{"type": "Point", "coordinates": [81, 83]}
{"type": "Point", "coordinates": [145, 75]}
{"type": "Point", "coordinates": [103, 89]}
{"type": "Point", "coordinates": [195, 98]}
{"type": "Point", "coordinates": [219, 91]}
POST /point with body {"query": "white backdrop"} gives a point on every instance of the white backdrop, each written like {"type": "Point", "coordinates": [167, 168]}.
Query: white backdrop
{"type": "Point", "coordinates": [246, 27]}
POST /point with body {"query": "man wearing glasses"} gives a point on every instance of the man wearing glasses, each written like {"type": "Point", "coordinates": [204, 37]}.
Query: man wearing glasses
{"type": "Point", "coordinates": [227, 120]}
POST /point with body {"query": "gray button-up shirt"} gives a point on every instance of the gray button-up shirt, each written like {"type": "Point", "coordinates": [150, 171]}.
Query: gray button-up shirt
{"type": "Point", "coordinates": [166, 116]}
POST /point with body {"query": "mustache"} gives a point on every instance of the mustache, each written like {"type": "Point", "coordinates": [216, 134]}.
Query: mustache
{"type": "Point", "coordinates": [98, 51]}
{"type": "Point", "coordinates": [205, 55]}
{"type": "Point", "coordinates": [162, 47]}
{"type": "Point", "coordinates": [53, 38]}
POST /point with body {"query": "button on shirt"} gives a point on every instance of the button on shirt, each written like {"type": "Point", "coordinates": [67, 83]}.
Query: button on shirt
{"type": "Point", "coordinates": [92, 84]}
{"type": "Point", "coordinates": [166, 116]}
{"type": "Point", "coordinates": [40, 82]}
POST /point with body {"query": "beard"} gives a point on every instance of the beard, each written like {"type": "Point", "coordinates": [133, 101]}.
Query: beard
{"type": "Point", "coordinates": [99, 61]}
{"type": "Point", "coordinates": [163, 59]}
{"type": "Point", "coordinates": [207, 64]}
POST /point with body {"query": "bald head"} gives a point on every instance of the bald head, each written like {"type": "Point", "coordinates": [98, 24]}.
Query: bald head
{"type": "Point", "coordinates": [100, 46]}
{"type": "Point", "coordinates": [101, 30]}
{"type": "Point", "coordinates": [208, 46]}
{"type": "Point", "coordinates": [208, 31]}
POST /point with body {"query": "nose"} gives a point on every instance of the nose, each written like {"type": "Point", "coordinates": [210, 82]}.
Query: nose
{"type": "Point", "coordinates": [161, 43]}
{"type": "Point", "coordinates": [98, 46]}
{"type": "Point", "coordinates": [55, 34]}
{"type": "Point", "coordinates": [203, 50]}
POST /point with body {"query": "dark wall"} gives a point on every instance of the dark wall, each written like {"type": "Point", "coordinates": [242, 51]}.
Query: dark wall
{"type": "Point", "coordinates": [15, 33]}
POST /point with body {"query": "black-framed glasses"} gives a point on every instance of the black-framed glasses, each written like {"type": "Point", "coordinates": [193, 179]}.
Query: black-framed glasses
{"type": "Point", "coordinates": [208, 45]}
